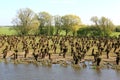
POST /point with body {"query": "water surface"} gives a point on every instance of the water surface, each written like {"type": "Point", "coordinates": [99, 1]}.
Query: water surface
{"type": "Point", "coordinates": [11, 71]}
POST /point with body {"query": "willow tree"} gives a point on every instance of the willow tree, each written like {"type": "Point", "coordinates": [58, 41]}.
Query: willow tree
{"type": "Point", "coordinates": [45, 20]}
{"type": "Point", "coordinates": [71, 23]}
{"type": "Point", "coordinates": [24, 21]}
{"type": "Point", "coordinates": [94, 19]}
{"type": "Point", "coordinates": [57, 23]}
{"type": "Point", "coordinates": [103, 23]}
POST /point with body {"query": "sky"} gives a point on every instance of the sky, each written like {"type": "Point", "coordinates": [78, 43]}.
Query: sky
{"type": "Point", "coordinates": [85, 9]}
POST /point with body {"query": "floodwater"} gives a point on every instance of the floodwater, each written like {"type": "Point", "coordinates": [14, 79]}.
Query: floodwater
{"type": "Point", "coordinates": [10, 71]}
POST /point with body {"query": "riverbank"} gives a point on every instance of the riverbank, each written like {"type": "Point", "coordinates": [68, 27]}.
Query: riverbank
{"type": "Point", "coordinates": [88, 61]}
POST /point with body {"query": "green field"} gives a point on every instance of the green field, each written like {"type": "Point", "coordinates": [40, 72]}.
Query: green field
{"type": "Point", "coordinates": [9, 31]}
{"type": "Point", "coordinates": [115, 34]}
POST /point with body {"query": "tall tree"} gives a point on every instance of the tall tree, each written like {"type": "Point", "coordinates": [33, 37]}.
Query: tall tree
{"type": "Point", "coordinates": [57, 23]}
{"type": "Point", "coordinates": [104, 24]}
{"type": "Point", "coordinates": [70, 22]}
{"type": "Point", "coordinates": [94, 19]}
{"type": "Point", "coordinates": [24, 21]}
{"type": "Point", "coordinates": [45, 20]}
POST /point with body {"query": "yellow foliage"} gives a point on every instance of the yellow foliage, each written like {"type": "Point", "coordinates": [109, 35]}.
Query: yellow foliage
{"type": "Point", "coordinates": [75, 28]}
{"type": "Point", "coordinates": [35, 24]}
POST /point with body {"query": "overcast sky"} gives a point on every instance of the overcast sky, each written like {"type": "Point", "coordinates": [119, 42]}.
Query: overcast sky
{"type": "Point", "coordinates": [83, 8]}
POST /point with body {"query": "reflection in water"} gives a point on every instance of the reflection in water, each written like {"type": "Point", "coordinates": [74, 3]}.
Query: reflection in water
{"type": "Point", "coordinates": [11, 71]}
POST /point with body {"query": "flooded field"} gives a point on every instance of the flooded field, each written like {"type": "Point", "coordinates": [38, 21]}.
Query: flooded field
{"type": "Point", "coordinates": [10, 71]}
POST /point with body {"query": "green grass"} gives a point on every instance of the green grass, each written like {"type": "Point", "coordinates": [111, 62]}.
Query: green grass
{"type": "Point", "coordinates": [7, 31]}
{"type": "Point", "coordinates": [115, 34]}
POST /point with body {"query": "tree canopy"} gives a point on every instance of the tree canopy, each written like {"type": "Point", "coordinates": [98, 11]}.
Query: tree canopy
{"type": "Point", "coordinates": [27, 22]}
{"type": "Point", "coordinates": [24, 21]}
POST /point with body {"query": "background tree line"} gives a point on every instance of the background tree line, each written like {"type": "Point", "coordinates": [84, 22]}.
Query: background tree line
{"type": "Point", "coordinates": [28, 22]}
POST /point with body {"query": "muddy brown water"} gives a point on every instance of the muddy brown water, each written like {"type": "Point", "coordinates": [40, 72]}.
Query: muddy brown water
{"type": "Point", "coordinates": [10, 71]}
